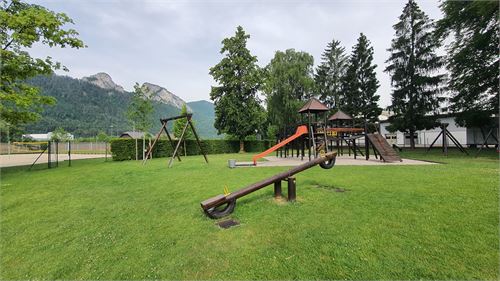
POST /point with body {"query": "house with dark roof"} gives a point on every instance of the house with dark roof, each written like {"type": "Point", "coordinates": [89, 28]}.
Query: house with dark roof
{"type": "Point", "coordinates": [132, 135]}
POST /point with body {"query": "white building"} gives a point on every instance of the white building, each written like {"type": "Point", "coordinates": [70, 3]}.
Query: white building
{"type": "Point", "coordinates": [45, 137]}
{"type": "Point", "coordinates": [466, 136]}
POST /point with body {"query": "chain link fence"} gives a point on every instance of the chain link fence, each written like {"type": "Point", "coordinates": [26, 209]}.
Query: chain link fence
{"type": "Point", "coordinates": [37, 147]}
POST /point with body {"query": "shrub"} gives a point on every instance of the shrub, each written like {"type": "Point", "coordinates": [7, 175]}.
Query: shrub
{"type": "Point", "coordinates": [124, 149]}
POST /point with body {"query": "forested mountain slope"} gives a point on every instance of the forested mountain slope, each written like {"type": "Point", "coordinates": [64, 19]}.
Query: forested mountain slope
{"type": "Point", "coordinates": [93, 104]}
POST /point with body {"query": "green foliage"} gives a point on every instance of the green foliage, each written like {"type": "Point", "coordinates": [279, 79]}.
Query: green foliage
{"type": "Point", "coordinates": [21, 26]}
{"type": "Point", "coordinates": [180, 123]}
{"type": "Point", "coordinates": [102, 136]}
{"type": "Point", "coordinates": [237, 108]}
{"type": "Point", "coordinates": [140, 109]}
{"type": "Point", "coordinates": [473, 58]}
{"type": "Point", "coordinates": [330, 73]}
{"type": "Point", "coordinates": [124, 149]}
{"type": "Point", "coordinates": [204, 114]}
{"type": "Point", "coordinates": [288, 82]}
{"type": "Point", "coordinates": [60, 134]}
{"type": "Point", "coordinates": [413, 65]}
{"type": "Point", "coordinates": [85, 109]}
{"type": "Point", "coordinates": [360, 83]}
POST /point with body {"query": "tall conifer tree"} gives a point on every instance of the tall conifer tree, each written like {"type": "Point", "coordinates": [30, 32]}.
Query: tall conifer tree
{"type": "Point", "coordinates": [473, 60]}
{"type": "Point", "coordinates": [414, 69]}
{"type": "Point", "coordinates": [360, 83]}
{"type": "Point", "coordinates": [329, 74]}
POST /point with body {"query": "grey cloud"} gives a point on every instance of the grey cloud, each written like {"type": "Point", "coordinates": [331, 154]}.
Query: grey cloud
{"type": "Point", "coordinates": [174, 43]}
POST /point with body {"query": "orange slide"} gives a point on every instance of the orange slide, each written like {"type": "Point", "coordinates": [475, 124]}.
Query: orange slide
{"type": "Point", "coordinates": [300, 131]}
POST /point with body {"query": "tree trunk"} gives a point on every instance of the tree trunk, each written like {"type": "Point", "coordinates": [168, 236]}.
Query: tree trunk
{"type": "Point", "coordinates": [136, 156]}
{"type": "Point", "coordinates": [242, 147]}
{"type": "Point", "coordinates": [412, 139]}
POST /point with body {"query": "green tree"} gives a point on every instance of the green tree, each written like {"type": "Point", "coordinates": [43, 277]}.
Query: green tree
{"type": "Point", "coordinates": [140, 109]}
{"type": "Point", "coordinates": [180, 123]}
{"type": "Point", "coordinates": [360, 83]}
{"type": "Point", "coordinates": [472, 60]}
{"type": "Point", "coordinates": [103, 137]}
{"type": "Point", "coordinates": [139, 114]}
{"type": "Point", "coordinates": [329, 74]}
{"type": "Point", "coordinates": [288, 82]}
{"type": "Point", "coordinates": [60, 134]}
{"type": "Point", "coordinates": [237, 108]}
{"type": "Point", "coordinates": [21, 26]}
{"type": "Point", "coordinates": [413, 66]}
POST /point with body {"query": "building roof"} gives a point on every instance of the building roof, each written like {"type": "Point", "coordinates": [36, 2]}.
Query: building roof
{"type": "Point", "coordinates": [44, 137]}
{"type": "Point", "coordinates": [132, 134]}
{"type": "Point", "coordinates": [37, 136]}
{"type": "Point", "coordinates": [494, 115]}
{"type": "Point", "coordinates": [313, 105]}
{"type": "Point", "coordinates": [340, 115]}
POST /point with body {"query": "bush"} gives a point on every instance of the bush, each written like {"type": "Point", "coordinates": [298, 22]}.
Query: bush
{"type": "Point", "coordinates": [124, 149]}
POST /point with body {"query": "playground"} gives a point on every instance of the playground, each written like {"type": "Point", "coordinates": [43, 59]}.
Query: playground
{"type": "Point", "coordinates": [328, 200]}
{"type": "Point", "coordinates": [343, 160]}
{"type": "Point", "coordinates": [125, 220]}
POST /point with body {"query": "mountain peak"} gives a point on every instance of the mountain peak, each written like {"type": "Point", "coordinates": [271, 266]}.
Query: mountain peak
{"type": "Point", "coordinates": [104, 81]}
{"type": "Point", "coordinates": [160, 94]}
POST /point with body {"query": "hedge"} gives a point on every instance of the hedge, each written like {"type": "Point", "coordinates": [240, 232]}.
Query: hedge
{"type": "Point", "coordinates": [124, 149]}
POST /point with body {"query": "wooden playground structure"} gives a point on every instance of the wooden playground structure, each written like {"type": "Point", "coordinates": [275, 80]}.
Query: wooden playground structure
{"type": "Point", "coordinates": [318, 134]}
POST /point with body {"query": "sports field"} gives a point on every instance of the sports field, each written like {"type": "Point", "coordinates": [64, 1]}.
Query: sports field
{"type": "Point", "coordinates": [122, 220]}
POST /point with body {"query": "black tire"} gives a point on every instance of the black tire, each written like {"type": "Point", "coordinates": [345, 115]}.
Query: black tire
{"type": "Point", "coordinates": [328, 164]}
{"type": "Point", "coordinates": [218, 212]}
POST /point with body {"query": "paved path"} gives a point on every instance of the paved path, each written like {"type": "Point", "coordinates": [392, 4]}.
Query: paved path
{"type": "Point", "coordinates": [343, 160]}
{"type": "Point", "coordinates": [28, 159]}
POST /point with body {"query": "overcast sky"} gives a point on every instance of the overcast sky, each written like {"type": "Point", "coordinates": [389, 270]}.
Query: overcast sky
{"type": "Point", "coordinates": [174, 43]}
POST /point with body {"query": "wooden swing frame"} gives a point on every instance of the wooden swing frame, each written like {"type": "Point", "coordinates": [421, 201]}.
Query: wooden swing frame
{"type": "Point", "coordinates": [175, 147]}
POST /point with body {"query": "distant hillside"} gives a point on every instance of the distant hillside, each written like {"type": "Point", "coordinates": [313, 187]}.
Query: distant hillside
{"type": "Point", "coordinates": [204, 116]}
{"type": "Point", "coordinates": [93, 104]}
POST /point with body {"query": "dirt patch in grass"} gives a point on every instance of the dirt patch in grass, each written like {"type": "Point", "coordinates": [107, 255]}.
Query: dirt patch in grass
{"type": "Point", "coordinates": [227, 223]}
{"type": "Point", "coordinates": [331, 188]}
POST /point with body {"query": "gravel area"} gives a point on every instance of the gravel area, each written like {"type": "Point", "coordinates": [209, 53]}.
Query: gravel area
{"type": "Point", "coordinates": [28, 159]}
{"type": "Point", "coordinates": [342, 160]}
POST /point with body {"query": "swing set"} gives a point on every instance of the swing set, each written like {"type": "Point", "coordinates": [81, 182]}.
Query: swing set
{"type": "Point", "coordinates": [175, 146]}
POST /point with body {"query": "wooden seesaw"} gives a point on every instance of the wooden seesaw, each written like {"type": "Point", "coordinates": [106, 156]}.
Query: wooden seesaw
{"type": "Point", "coordinates": [223, 205]}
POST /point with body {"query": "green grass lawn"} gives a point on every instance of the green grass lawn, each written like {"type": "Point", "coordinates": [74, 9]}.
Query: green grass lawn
{"type": "Point", "coordinates": [122, 220]}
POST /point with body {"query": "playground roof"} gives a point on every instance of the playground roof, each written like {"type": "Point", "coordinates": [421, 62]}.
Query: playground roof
{"type": "Point", "coordinates": [313, 105]}
{"type": "Point", "coordinates": [340, 115]}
